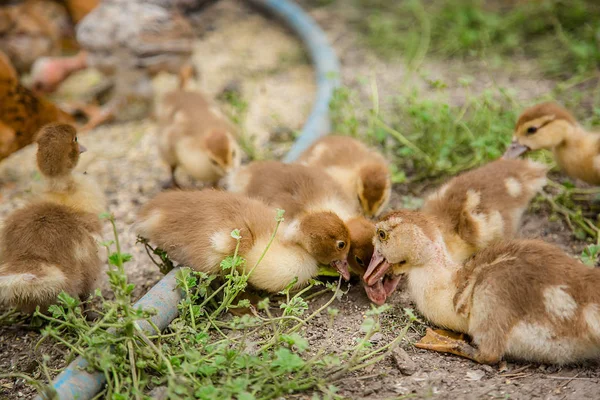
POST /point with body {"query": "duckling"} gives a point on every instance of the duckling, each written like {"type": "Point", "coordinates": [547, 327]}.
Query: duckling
{"type": "Point", "coordinates": [194, 228]}
{"type": "Point", "coordinates": [549, 126]}
{"type": "Point", "coordinates": [519, 299]}
{"type": "Point", "coordinates": [299, 190]}
{"type": "Point", "coordinates": [196, 136]}
{"type": "Point", "coordinates": [49, 246]}
{"type": "Point", "coordinates": [60, 185]}
{"type": "Point", "coordinates": [481, 206]}
{"type": "Point", "coordinates": [362, 173]}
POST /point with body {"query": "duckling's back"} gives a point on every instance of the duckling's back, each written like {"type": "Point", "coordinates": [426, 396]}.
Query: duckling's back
{"type": "Point", "coordinates": [48, 248]}
{"type": "Point", "coordinates": [292, 187]}
{"type": "Point", "coordinates": [529, 300]}
{"type": "Point", "coordinates": [194, 227]}
{"type": "Point", "coordinates": [486, 204]}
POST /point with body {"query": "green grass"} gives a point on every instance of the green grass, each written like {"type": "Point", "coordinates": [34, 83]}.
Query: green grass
{"type": "Point", "coordinates": [428, 138]}
{"type": "Point", "coordinates": [560, 35]}
{"type": "Point", "coordinates": [206, 353]}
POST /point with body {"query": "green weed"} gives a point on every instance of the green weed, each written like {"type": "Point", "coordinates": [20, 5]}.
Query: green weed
{"type": "Point", "coordinates": [561, 35]}
{"type": "Point", "coordinates": [428, 138]}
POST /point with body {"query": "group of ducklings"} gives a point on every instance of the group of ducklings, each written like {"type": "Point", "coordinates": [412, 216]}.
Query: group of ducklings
{"type": "Point", "coordinates": [465, 270]}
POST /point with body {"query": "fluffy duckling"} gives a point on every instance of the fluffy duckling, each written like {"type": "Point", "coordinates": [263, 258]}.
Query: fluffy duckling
{"type": "Point", "coordinates": [481, 206]}
{"type": "Point", "coordinates": [299, 190]}
{"type": "Point", "coordinates": [196, 136]}
{"type": "Point", "coordinates": [523, 300]}
{"type": "Point", "coordinates": [476, 209]}
{"type": "Point", "coordinates": [549, 126]}
{"type": "Point", "coordinates": [362, 173]}
{"type": "Point", "coordinates": [49, 246]}
{"type": "Point", "coordinates": [194, 228]}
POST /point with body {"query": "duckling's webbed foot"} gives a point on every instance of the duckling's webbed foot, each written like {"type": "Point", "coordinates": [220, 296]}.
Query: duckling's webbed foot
{"type": "Point", "coordinates": [453, 343]}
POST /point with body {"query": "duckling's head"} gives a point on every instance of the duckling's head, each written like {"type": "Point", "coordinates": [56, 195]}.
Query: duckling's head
{"type": "Point", "coordinates": [374, 188]}
{"type": "Point", "coordinates": [327, 239]}
{"type": "Point", "coordinates": [361, 231]}
{"type": "Point", "coordinates": [223, 152]}
{"type": "Point", "coordinates": [403, 240]}
{"type": "Point", "coordinates": [58, 149]}
{"type": "Point", "coordinates": [543, 126]}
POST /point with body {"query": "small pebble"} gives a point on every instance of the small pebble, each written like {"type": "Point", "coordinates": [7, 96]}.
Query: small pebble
{"type": "Point", "coordinates": [403, 362]}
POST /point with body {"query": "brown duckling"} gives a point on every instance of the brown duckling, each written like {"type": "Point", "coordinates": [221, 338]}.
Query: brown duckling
{"type": "Point", "coordinates": [476, 209]}
{"type": "Point", "coordinates": [303, 190]}
{"type": "Point", "coordinates": [194, 228]}
{"type": "Point", "coordinates": [486, 204]}
{"type": "Point", "coordinates": [49, 246]}
{"type": "Point", "coordinates": [519, 299]}
{"type": "Point", "coordinates": [549, 126]}
{"type": "Point", "coordinates": [361, 172]}
{"type": "Point", "coordinates": [196, 136]}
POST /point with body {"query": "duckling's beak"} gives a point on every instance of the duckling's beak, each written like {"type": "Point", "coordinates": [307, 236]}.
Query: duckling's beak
{"type": "Point", "coordinates": [376, 293]}
{"type": "Point", "coordinates": [342, 267]}
{"type": "Point", "coordinates": [515, 150]}
{"type": "Point", "coordinates": [378, 267]}
{"type": "Point", "coordinates": [82, 149]}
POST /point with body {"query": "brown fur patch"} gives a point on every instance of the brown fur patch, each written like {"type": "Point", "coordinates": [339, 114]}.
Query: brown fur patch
{"type": "Point", "coordinates": [361, 231]}
{"type": "Point", "coordinates": [375, 179]}
{"type": "Point", "coordinates": [324, 230]}
{"type": "Point", "coordinates": [543, 109]}
{"type": "Point", "coordinates": [58, 150]}
{"type": "Point", "coordinates": [218, 144]}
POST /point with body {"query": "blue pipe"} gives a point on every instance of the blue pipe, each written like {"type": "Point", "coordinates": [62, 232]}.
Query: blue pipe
{"type": "Point", "coordinates": [327, 70]}
{"type": "Point", "coordinates": [74, 382]}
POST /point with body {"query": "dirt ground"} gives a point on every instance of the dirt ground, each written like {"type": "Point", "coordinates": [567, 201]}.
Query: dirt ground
{"type": "Point", "coordinates": [240, 47]}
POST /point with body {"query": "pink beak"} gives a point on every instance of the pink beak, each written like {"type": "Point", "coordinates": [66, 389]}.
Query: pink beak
{"type": "Point", "coordinates": [515, 150]}
{"type": "Point", "coordinates": [377, 269]}
{"type": "Point", "coordinates": [342, 267]}
{"type": "Point", "coordinates": [82, 149]}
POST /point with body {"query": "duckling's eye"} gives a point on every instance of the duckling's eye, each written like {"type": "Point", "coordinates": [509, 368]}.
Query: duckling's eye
{"type": "Point", "coordinates": [382, 234]}
{"type": "Point", "coordinates": [359, 261]}
{"type": "Point", "coordinates": [531, 130]}
{"type": "Point", "coordinates": [213, 162]}
{"type": "Point", "coordinates": [341, 244]}
{"type": "Point", "coordinates": [75, 140]}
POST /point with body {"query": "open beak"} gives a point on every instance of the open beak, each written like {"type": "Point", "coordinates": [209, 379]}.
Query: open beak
{"type": "Point", "coordinates": [377, 269]}
{"type": "Point", "coordinates": [82, 149]}
{"type": "Point", "coordinates": [515, 150]}
{"type": "Point", "coordinates": [382, 289]}
{"type": "Point", "coordinates": [342, 267]}
{"type": "Point", "coordinates": [376, 293]}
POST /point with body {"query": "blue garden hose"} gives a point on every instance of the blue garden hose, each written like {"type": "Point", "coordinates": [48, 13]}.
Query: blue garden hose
{"type": "Point", "coordinates": [74, 383]}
